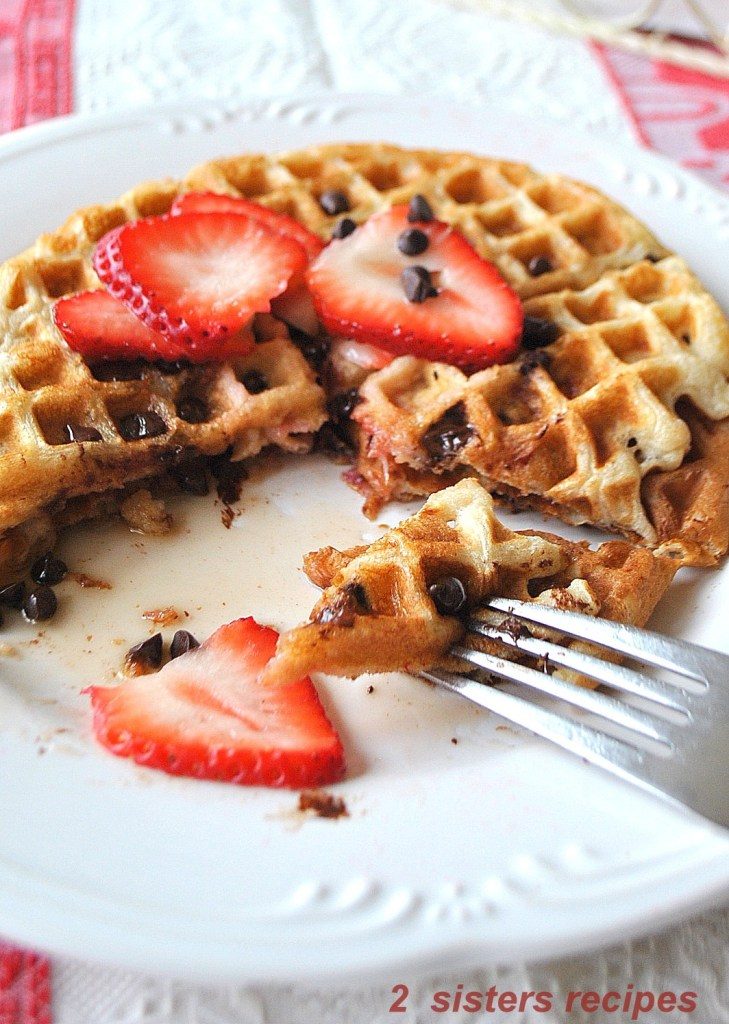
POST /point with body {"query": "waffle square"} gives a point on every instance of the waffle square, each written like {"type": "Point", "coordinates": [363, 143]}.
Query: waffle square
{"type": "Point", "coordinates": [621, 424]}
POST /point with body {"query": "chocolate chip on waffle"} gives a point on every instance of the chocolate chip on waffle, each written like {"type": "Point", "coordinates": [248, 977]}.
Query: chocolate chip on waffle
{"type": "Point", "coordinates": [511, 214]}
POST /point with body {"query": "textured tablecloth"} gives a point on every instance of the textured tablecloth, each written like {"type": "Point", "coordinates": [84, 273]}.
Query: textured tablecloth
{"type": "Point", "coordinates": [57, 56]}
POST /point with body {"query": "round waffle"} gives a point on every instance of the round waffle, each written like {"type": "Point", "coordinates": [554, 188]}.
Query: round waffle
{"type": "Point", "coordinates": [513, 216]}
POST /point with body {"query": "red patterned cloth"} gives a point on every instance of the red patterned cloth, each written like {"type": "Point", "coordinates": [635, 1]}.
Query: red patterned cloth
{"type": "Point", "coordinates": [678, 111]}
{"type": "Point", "coordinates": [35, 60]}
{"type": "Point", "coordinates": [25, 987]}
{"type": "Point", "coordinates": [35, 83]}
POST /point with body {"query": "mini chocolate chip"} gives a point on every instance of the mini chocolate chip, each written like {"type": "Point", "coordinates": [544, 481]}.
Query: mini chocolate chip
{"type": "Point", "coordinates": [339, 612]}
{"type": "Point", "coordinates": [417, 284]}
{"type": "Point", "coordinates": [334, 201]}
{"type": "Point", "coordinates": [538, 332]}
{"type": "Point", "coordinates": [147, 654]}
{"type": "Point", "coordinates": [449, 595]}
{"type": "Point", "coordinates": [359, 593]}
{"type": "Point", "coordinates": [332, 439]}
{"type": "Point", "coordinates": [343, 607]}
{"type": "Point", "coordinates": [113, 370]}
{"type": "Point", "coordinates": [632, 442]}
{"type": "Point", "coordinates": [78, 432]}
{"type": "Point", "coordinates": [192, 410]}
{"type": "Point", "coordinates": [530, 363]}
{"type": "Point", "coordinates": [412, 242]}
{"type": "Point", "coordinates": [340, 407]}
{"type": "Point", "coordinates": [13, 595]}
{"type": "Point", "coordinates": [40, 604]}
{"type": "Point", "coordinates": [419, 209]}
{"type": "Point", "coordinates": [255, 382]}
{"type": "Point", "coordinates": [448, 435]}
{"type": "Point", "coordinates": [314, 350]}
{"type": "Point", "coordinates": [539, 265]}
{"type": "Point", "coordinates": [48, 569]}
{"type": "Point", "coordinates": [140, 425]}
{"type": "Point", "coordinates": [343, 228]}
{"type": "Point", "coordinates": [182, 642]}
{"type": "Point", "coordinates": [192, 478]}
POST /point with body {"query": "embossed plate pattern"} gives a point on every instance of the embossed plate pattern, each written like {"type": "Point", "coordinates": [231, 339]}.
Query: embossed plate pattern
{"type": "Point", "coordinates": [495, 847]}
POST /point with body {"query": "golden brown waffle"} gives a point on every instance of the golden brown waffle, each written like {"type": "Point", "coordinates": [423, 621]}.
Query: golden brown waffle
{"type": "Point", "coordinates": [44, 386]}
{"type": "Point", "coordinates": [620, 423]}
{"type": "Point", "coordinates": [510, 213]}
{"type": "Point", "coordinates": [626, 429]}
{"type": "Point", "coordinates": [376, 613]}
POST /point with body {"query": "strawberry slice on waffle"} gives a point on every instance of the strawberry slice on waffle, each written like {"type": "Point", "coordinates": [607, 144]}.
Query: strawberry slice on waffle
{"type": "Point", "coordinates": [197, 278]}
{"type": "Point", "coordinates": [416, 290]}
{"type": "Point", "coordinates": [281, 223]}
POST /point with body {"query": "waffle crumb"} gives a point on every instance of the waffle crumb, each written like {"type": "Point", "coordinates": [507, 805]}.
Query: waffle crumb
{"type": "Point", "coordinates": [145, 514]}
{"type": "Point", "coordinates": [322, 804]}
{"type": "Point", "coordinates": [89, 582]}
{"type": "Point", "coordinates": [162, 616]}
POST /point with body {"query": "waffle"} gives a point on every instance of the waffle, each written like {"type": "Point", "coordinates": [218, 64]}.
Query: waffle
{"type": "Point", "coordinates": [46, 482]}
{"type": "Point", "coordinates": [620, 423]}
{"type": "Point", "coordinates": [511, 215]}
{"type": "Point", "coordinates": [376, 613]}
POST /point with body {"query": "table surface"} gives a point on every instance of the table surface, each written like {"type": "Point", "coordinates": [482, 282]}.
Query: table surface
{"type": "Point", "coordinates": [148, 51]}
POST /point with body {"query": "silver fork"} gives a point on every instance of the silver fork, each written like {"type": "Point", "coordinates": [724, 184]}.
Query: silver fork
{"type": "Point", "coordinates": [676, 748]}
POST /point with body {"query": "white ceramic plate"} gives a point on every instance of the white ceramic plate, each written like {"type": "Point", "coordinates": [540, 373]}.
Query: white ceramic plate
{"type": "Point", "coordinates": [497, 847]}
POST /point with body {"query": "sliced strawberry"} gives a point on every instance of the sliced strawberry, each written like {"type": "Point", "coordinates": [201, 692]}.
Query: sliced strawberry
{"type": "Point", "coordinates": [100, 327]}
{"type": "Point", "coordinates": [474, 320]}
{"type": "Point", "coordinates": [214, 202]}
{"type": "Point", "coordinates": [295, 306]}
{"type": "Point", "coordinates": [206, 715]}
{"type": "Point", "coordinates": [197, 278]}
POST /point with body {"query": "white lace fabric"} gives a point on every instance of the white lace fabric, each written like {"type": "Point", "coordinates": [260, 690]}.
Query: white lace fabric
{"type": "Point", "coordinates": [152, 51]}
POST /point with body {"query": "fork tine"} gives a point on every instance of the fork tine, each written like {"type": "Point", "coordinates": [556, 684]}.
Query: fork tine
{"type": "Point", "coordinates": [679, 656]}
{"type": "Point", "coordinates": [589, 700]}
{"type": "Point", "coordinates": [610, 753]}
{"type": "Point", "coordinates": [606, 672]}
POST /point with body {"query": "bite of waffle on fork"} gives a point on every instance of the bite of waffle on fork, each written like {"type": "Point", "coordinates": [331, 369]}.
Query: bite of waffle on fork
{"type": "Point", "coordinates": [617, 423]}
{"type": "Point", "coordinates": [377, 612]}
